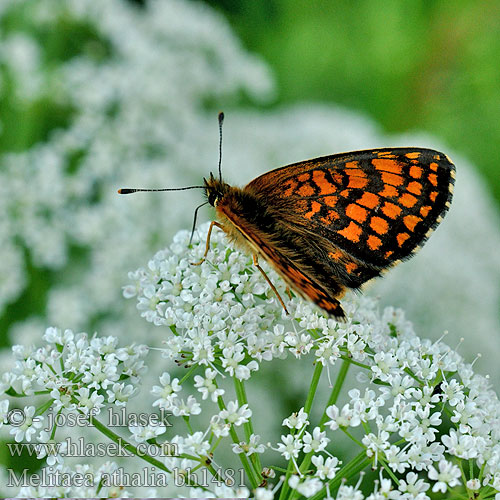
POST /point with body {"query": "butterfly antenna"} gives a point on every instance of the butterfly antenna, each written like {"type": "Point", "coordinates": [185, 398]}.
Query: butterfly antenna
{"type": "Point", "coordinates": [221, 121]}
{"type": "Point", "coordinates": [132, 190]}
{"type": "Point", "coordinates": [194, 220]}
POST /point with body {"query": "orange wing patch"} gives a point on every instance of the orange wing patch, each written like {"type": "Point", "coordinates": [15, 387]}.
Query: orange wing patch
{"type": "Point", "coordinates": [374, 242]}
{"type": "Point", "coordinates": [424, 211]}
{"type": "Point", "coordinates": [315, 208]}
{"type": "Point", "coordinates": [433, 179]}
{"type": "Point", "coordinates": [379, 225]}
{"type": "Point", "coordinates": [411, 221]}
{"type": "Point", "coordinates": [407, 200]}
{"type": "Point", "coordinates": [325, 187]}
{"type": "Point", "coordinates": [415, 187]}
{"type": "Point", "coordinates": [356, 212]}
{"type": "Point", "coordinates": [352, 232]}
{"type": "Point", "coordinates": [413, 156]}
{"type": "Point", "coordinates": [391, 210]}
{"type": "Point", "coordinates": [416, 172]}
{"type": "Point", "coordinates": [392, 179]}
{"type": "Point", "coordinates": [330, 201]}
{"type": "Point", "coordinates": [387, 166]}
{"type": "Point", "coordinates": [402, 237]}
{"type": "Point", "coordinates": [305, 190]}
{"type": "Point", "coordinates": [389, 191]}
{"type": "Point", "coordinates": [369, 200]}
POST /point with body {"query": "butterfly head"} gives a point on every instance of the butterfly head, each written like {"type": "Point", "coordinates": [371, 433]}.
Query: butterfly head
{"type": "Point", "coordinates": [215, 189]}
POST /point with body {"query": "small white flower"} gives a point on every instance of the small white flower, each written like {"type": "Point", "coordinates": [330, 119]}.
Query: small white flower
{"type": "Point", "coordinates": [296, 420]}
{"type": "Point", "coordinates": [51, 449]}
{"type": "Point", "coordinates": [307, 487]}
{"type": "Point", "coordinates": [29, 426]}
{"type": "Point", "coordinates": [473, 484]}
{"type": "Point", "coordinates": [89, 402]}
{"type": "Point", "coordinates": [447, 477]}
{"type": "Point", "coordinates": [347, 417]}
{"type": "Point", "coordinates": [167, 392]}
{"type": "Point", "coordinates": [219, 427]}
{"type": "Point", "coordinates": [376, 443]}
{"type": "Point", "coordinates": [4, 410]}
{"type": "Point", "coordinates": [143, 433]}
{"type": "Point", "coordinates": [234, 414]}
{"type": "Point", "coordinates": [386, 364]}
{"type": "Point", "coordinates": [249, 448]}
{"type": "Point", "coordinates": [263, 494]}
{"type": "Point", "coordinates": [120, 393]}
{"type": "Point", "coordinates": [413, 487]}
{"type": "Point", "coordinates": [181, 408]}
{"type": "Point", "coordinates": [316, 442]}
{"type": "Point", "coordinates": [196, 444]}
{"type": "Point", "coordinates": [349, 493]}
{"type": "Point", "coordinates": [206, 385]}
{"type": "Point", "coordinates": [325, 469]}
{"type": "Point", "coordinates": [290, 447]}
{"type": "Point", "coordinates": [452, 392]}
{"type": "Point", "coordinates": [460, 445]}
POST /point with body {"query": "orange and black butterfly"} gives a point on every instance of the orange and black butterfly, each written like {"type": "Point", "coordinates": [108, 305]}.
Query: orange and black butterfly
{"type": "Point", "coordinates": [335, 222]}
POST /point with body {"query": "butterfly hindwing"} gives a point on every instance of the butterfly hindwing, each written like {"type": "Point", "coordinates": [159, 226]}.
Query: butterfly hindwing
{"type": "Point", "coordinates": [377, 206]}
{"type": "Point", "coordinates": [335, 222]}
{"type": "Point", "coordinates": [290, 253]}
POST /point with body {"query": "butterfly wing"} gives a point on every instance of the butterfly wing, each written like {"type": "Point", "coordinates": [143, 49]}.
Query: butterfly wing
{"type": "Point", "coordinates": [373, 207]}
{"type": "Point", "coordinates": [288, 252]}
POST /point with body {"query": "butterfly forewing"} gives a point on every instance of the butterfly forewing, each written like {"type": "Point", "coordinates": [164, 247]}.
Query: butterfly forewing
{"type": "Point", "coordinates": [376, 206]}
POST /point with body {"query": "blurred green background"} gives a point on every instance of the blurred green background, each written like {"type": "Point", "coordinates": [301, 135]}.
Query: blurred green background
{"type": "Point", "coordinates": [425, 64]}
{"type": "Point", "coordinates": [410, 65]}
{"type": "Point", "coordinates": [422, 65]}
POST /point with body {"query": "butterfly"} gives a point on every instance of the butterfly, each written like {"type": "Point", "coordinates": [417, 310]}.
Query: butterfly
{"type": "Point", "coordinates": [333, 223]}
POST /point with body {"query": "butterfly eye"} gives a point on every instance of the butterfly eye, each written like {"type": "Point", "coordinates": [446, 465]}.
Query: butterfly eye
{"type": "Point", "coordinates": [212, 198]}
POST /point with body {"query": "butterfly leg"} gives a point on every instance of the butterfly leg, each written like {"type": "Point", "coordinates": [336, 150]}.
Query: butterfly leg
{"type": "Point", "coordinates": [273, 288]}
{"type": "Point", "coordinates": [289, 292]}
{"type": "Point", "coordinates": [207, 248]}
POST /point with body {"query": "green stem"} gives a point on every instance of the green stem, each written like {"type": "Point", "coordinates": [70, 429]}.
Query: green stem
{"type": "Point", "coordinates": [357, 464]}
{"type": "Point", "coordinates": [188, 374]}
{"type": "Point", "coordinates": [333, 398]}
{"type": "Point", "coordinates": [357, 363]}
{"type": "Point", "coordinates": [188, 424]}
{"type": "Point", "coordinates": [42, 409]}
{"type": "Point", "coordinates": [307, 408]}
{"type": "Point", "coordinates": [247, 426]}
{"type": "Point", "coordinates": [350, 436]}
{"type": "Point", "coordinates": [344, 367]}
{"type": "Point", "coordinates": [312, 389]}
{"type": "Point", "coordinates": [389, 471]}
{"type": "Point", "coordinates": [285, 488]}
{"type": "Point", "coordinates": [122, 443]}
{"type": "Point", "coordinates": [254, 478]}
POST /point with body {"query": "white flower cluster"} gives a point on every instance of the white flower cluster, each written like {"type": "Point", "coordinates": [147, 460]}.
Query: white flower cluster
{"type": "Point", "coordinates": [77, 372]}
{"type": "Point", "coordinates": [423, 410]}
{"type": "Point", "coordinates": [419, 415]}
{"type": "Point", "coordinates": [138, 89]}
{"type": "Point", "coordinates": [138, 86]}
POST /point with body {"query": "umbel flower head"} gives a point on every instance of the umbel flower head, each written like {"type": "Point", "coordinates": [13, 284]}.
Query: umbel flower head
{"type": "Point", "coordinates": [418, 420]}
{"type": "Point", "coordinates": [419, 414]}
